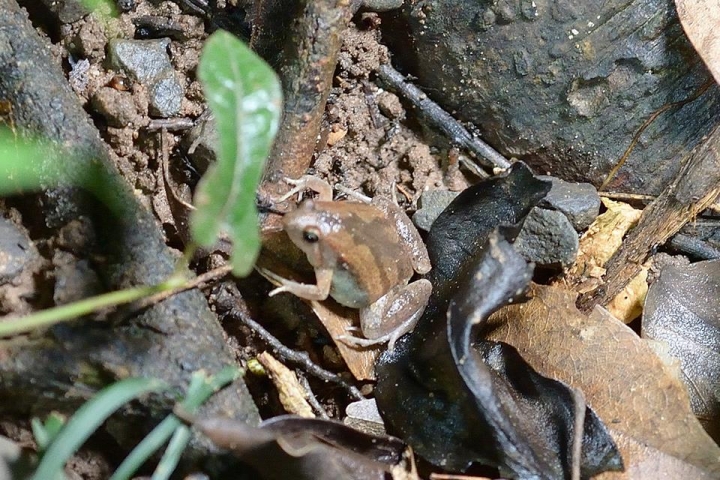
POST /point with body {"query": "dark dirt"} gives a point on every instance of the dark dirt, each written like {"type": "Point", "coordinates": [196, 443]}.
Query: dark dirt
{"type": "Point", "coordinates": [369, 143]}
{"type": "Point", "coordinates": [366, 146]}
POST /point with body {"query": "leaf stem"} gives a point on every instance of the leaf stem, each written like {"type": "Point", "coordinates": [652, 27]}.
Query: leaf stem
{"type": "Point", "coordinates": [52, 316]}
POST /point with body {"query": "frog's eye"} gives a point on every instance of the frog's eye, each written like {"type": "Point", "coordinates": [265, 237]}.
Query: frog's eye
{"type": "Point", "coordinates": [310, 235]}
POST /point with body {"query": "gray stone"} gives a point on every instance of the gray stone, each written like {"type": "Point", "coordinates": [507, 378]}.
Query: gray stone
{"type": "Point", "coordinates": [201, 142]}
{"type": "Point", "coordinates": [16, 250]}
{"type": "Point", "coordinates": [580, 202]}
{"type": "Point", "coordinates": [147, 61]}
{"type": "Point", "coordinates": [143, 60]}
{"type": "Point", "coordinates": [548, 239]}
{"type": "Point", "coordinates": [364, 416]}
{"type": "Point", "coordinates": [166, 96]}
{"type": "Point", "coordinates": [432, 203]}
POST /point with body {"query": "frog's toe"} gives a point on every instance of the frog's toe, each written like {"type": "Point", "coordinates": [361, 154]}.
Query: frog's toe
{"type": "Point", "coordinates": [353, 341]}
{"type": "Point", "coordinates": [280, 289]}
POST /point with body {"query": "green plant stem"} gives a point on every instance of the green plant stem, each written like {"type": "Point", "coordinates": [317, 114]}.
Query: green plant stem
{"type": "Point", "coordinates": [63, 313]}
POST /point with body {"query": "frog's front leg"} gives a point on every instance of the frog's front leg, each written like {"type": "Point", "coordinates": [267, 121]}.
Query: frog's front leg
{"type": "Point", "coordinates": [392, 315]}
{"type": "Point", "coordinates": [319, 291]}
{"type": "Point", "coordinates": [309, 182]}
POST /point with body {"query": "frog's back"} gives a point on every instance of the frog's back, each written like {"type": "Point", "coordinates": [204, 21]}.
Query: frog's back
{"type": "Point", "coordinates": [371, 255]}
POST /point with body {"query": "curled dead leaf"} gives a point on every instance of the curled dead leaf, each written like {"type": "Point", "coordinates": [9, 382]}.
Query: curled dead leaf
{"type": "Point", "coordinates": [640, 399]}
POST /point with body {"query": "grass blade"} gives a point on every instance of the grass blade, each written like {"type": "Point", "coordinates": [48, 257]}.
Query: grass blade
{"type": "Point", "coordinates": [87, 419]}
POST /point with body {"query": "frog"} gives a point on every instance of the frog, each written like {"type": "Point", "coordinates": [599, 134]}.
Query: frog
{"type": "Point", "coordinates": [364, 252]}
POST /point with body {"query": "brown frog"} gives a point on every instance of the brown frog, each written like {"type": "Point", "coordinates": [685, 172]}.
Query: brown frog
{"type": "Point", "coordinates": [364, 255]}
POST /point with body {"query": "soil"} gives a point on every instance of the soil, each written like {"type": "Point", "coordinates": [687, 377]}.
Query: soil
{"type": "Point", "coordinates": [367, 145]}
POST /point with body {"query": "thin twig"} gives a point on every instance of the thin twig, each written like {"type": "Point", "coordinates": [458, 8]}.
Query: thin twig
{"type": "Point", "coordinates": [440, 119]}
{"type": "Point", "coordinates": [171, 124]}
{"type": "Point", "coordinates": [206, 277]}
{"type": "Point", "coordinates": [311, 399]}
{"type": "Point", "coordinates": [236, 308]}
{"type": "Point", "coordinates": [650, 120]}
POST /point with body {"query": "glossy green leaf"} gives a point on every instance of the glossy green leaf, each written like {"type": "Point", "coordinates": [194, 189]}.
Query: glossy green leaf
{"type": "Point", "coordinates": [244, 95]}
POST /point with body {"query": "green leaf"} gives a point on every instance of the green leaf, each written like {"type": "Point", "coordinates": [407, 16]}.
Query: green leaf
{"type": "Point", "coordinates": [87, 419]}
{"type": "Point", "coordinates": [22, 168]}
{"type": "Point", "coordinates": [45, 433]}
{"type": "Point", "coordinates": [245, 96]}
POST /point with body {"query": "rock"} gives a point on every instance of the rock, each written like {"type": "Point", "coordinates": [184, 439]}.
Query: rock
{"type": "Point", "coordinates": [147, 62]}
{"type": "Point", "coordinates": [16, 250]}
{"type": "Point", "coordinates": [143, 60]}
{"type": "Point", "coordinates": [563, 85]}
{"type": "Point", "coordinates": [166, 96]}
{"type": "Point", "coordinates": [432, 203]}
{"type": "Point", "coordinates": [579, 202]}
{"type": "Point", "coordinates": [201, 142]}
{"type": "Point", "coordinates": [364, 416]}
{"type": "Point", "coordinates": [548, 239]}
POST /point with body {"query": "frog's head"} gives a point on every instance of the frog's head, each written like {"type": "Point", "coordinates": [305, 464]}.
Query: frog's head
{"type": "Point", "coordinates": [309, 227]}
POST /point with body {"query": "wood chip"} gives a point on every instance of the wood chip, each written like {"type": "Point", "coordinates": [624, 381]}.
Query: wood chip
{"type": "Point", "coordinates": [291, 392]}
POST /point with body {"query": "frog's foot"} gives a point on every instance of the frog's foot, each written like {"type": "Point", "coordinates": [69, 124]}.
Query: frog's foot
{"type": "Point", "coordinates": [307, 291]}
{"type": "Point", "coordinates": [309, 182]}
{"type": "Point", "coordinates": [352, 193]}
{"type": "Point", "coordinates": [354, 341]}
{"type": "Point", "coordinates": [275, 279]}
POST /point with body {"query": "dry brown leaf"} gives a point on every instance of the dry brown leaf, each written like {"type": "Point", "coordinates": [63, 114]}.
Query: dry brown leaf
{"type": "Point", "coordinates": [628, 304]}
{"type": "Point", "coordinates": [641, 401]}
{"type": "Point", "coordinates": [335, 136]}
{"type": "Point", "coordinates": [700, 20]}
{"type": "Point", "coordinates": [291, 393]}
{"type": "Point", "coordinates": [337, 319]}
{"type": "Point", "coordinates": [601, 241]}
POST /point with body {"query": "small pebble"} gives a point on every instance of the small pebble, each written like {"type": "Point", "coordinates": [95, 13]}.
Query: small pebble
{"type": "Point", "coordinates": [15, 250]}
{"type": "Point", "coordinates": [147, 61]}
{"type": "Point", "coordinates": [580, 202]}
{"type": "Point", "coordinates": [548, 239]}
{"type": "Point", "coordinates": [432, 203]}
{"type": "Point", "coordinates": [364, 416]}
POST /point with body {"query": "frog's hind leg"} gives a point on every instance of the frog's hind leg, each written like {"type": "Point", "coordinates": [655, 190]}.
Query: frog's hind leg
{"type": "Point", "coordinates": [391, 316]}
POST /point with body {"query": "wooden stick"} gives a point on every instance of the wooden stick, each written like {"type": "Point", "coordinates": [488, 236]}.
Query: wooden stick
{"type": "Point", "coordinates": [694, 188]}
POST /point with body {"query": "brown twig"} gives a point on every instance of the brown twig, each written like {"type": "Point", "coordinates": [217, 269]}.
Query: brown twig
{"type": "Point", "coordinates": [207, 277]}
{"type": "Point", "coordinates": [440, 119]}
{"type": "Point", "coordinates": [234, 306]}
{"type": "Point", "coordinates": [301, 39]}
{"type": "Point", "coordinates": [636, 138]}
{"type": "Point", "coordinates": [311, 399]}
{"type": "Point", "coordinates": [694, 188]}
